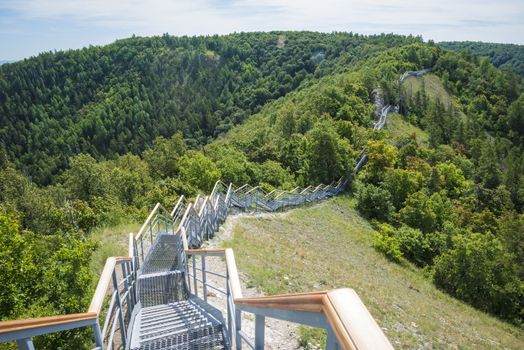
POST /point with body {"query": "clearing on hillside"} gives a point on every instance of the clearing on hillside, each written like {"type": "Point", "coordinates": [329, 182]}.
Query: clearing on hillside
{"type": "Point", "coordinates": [399, 128]}
{"type": "Point", "coordinates": [431, 84]}
{"type": "Point", "coordinates": [329, 245]}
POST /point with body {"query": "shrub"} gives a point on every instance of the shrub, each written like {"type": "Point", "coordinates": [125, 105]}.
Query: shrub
{"type": "Point", "coordinates": [386, 243]}
{"type": "Point", "coordinates": [374, 203]}
{"type": "Point", "coordinates": [479, 271]}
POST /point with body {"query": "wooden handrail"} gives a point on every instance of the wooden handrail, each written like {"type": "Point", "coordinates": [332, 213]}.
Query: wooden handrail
{"type": "Point", "coordinates": [232, 271]}
{"type": "Point", "coordinates": [131, 247]}
{"type": "Point", "coordinates": [356, 327]}
{"type": "Point", "coordinates": [177, 204]}
{"type": "Point", "coordinates": [349, 318]}
{"type": "Point", "coordinates": [103, 283]}
{"type": "Point", "coordinates": [207, 251]}
{"type": "Point", "coordinates": [311, 302]}
{"type": "Point", "coordinates": [32, 323]}
{"type": "Point", "coordinates": [141, 231]}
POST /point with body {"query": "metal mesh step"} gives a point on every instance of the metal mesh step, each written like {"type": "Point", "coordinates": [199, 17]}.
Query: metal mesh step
{"type": "Point", "coordinates": [161, 288]}
{"type": "Point", "coordinates": [183, 325]}
{"type": "Point", "coordinates": [164, 254]}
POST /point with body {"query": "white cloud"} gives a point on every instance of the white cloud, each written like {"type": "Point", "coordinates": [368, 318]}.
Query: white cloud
{"type": "Point", "coordinates": [442, 20]}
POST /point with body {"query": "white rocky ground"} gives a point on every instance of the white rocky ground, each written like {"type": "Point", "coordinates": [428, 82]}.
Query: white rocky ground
{"type": "Point", "coordinates": [278, 334]}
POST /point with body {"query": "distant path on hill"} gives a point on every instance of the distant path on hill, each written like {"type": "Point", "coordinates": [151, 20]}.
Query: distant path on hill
{"type": "Point", "coordinates": [384, 111]}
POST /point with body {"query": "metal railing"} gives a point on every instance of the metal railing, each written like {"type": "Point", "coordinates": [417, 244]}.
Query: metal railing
{"type": "Point", "coordinates": [159, 221]}
{"type": "Point", "coordinates": [202, 218]}
{"type": "Point", "coordinates": [201, 280]}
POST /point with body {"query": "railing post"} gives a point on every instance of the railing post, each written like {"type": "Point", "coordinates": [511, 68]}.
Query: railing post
{"type": "Point", "coordinates": [195, 285]}
{"type": "Point", "coordinates": [331, 341]}
{"type": "Point", "coordinates": [120, 312]}
{"type": "Point", "coordinates": [99, 342]}
{"type": "Point", "coordinates": [25, 344]}
{"type": "Point", "coordinates": [230, 308]}
{"type": "Point", "coordinates": [259, 331]}
{"type": "Point", "coordinates": [204, 287]}
{"type": "Point", "coordinates": [238, 325]}
{"type": "Point", "coordinates": [142, 248]}
{"type": "Point", "coordinates": [125, 276]}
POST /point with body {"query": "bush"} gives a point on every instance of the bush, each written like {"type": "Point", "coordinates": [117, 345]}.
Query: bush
{"type": "Point", "coordinates": [374, 203]}
{"type": "Point", "coordinates": [386, 243]}
{"type": "Point", "coordinates": [198, 171]}
{"type": "Point", "coordinates": [413, 244]}
{"type": "Point", "coordinates": [479, 271]}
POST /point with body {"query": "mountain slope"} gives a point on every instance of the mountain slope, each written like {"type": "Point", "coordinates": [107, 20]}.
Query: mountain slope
{"type": "Point", "coordinates": [329, 246]}
{"type": "Point", "coordinates": [110, 100]}
{"type": "Point", "coordinates": [453, 187]}
{"type": "Point", "coordinates": [509, 57]}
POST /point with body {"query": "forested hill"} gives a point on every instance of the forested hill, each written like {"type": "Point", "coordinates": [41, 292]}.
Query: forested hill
{"type": "Point", "coordinates": [508, 57]}
{"type": "Point", "coordinates": [117, 98]}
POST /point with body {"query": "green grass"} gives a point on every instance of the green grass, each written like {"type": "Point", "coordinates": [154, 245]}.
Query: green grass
{"type": "Point", "coordinates": [114, 241]}
{"type": "Point", "coordinates": [328, 246]}
{"type": "Point", "coordinates": [431, 84]}
{"type": "Point", "coordinates": [399, 128]}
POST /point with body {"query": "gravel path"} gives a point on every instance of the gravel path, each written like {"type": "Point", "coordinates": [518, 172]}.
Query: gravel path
{"type": "Point", "coordinates": [278, 334]}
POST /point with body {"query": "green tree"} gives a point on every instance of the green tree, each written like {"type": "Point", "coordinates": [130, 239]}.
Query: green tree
{"type": "Point", "coordinates": [418, 212]}
{"type": "Point", "coordinates": [401, 183]}
{"type": "Point", "coordinates": [381, 157]}
{"type": "Point", "coordinates": [86, 178]}
{"type": "Point", "coordinates": [162, 158]}
{"type": "Point", "coordinates": [198, 171]}
{"type": "Point", "coordinates": [479, 271]}
{"type": "Point", "coordinates": [374, 202]}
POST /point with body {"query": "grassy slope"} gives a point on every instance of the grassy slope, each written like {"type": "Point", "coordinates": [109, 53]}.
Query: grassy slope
{"type": "Point", "coordinates": [398, 127]}
{"type": "Point", "coordinates": [432, 85]}
{"type": "Point", "coordinates": [329, 246]}
{"type": "Point", "coordinates": [434, 88]}
{"type": "Point", "coordinates": [114, 241]}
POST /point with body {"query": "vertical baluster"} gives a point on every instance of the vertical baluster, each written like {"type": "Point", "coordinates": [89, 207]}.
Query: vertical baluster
{"type": "Point", "coordinates": [259, 331]}
{"type": "Point", "coordinates": [238, 325]}
{"type": "Point", "coordinates": [195, 285]}
{"type": "Point", "coordinates": [331, 341]}
{"type": "Point", "coordinates": [150, 233]}
{"type": "Point", "coordinates": [125, 276]}
{"type": "Point", "coordinates": [120, 312]}
{"type": "Point", "coordinates": [142, 248]}
{"type": "Point", "coordinates": [25, 344]}
{"type": "Point", "coordinates": [230, 306]}
{"type": "Point", "coordinates": [204, 286]}
{"type": "Point", "coordinates": [99, 342]}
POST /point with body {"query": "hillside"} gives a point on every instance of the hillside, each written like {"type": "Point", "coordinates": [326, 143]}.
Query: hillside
{"type": "Point", "coordinates": [509, 57]}
{"type": "Point", "coordinates": [107, 101]}
{"type": "Point", "coordinates": [329, 245]}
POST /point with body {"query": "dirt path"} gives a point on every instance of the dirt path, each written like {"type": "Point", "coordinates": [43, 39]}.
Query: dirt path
{"type": "Point", "coordinates": [278, 334]}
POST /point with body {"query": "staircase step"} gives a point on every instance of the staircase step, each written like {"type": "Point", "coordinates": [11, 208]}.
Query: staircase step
{"type": "Point", "coordinates": [164, 321]}
{"type": "Point", "coordinates": [181, 325]}
{"type": "Point", "coordinates": [195, 328]}
{"type": "Point", "coordinates": [184, 342]}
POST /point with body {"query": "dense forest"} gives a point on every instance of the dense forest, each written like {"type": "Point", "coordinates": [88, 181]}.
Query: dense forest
{"type": "Point", "coordinates": [508, 57]}
{"type": "Point", "coordinates": [107, 101]}
{"type": "Point", "coordinates": [95, 137]}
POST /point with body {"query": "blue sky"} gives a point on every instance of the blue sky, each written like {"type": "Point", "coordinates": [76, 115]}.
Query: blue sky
{"type": "Point", "coordinates": [28, 27]}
